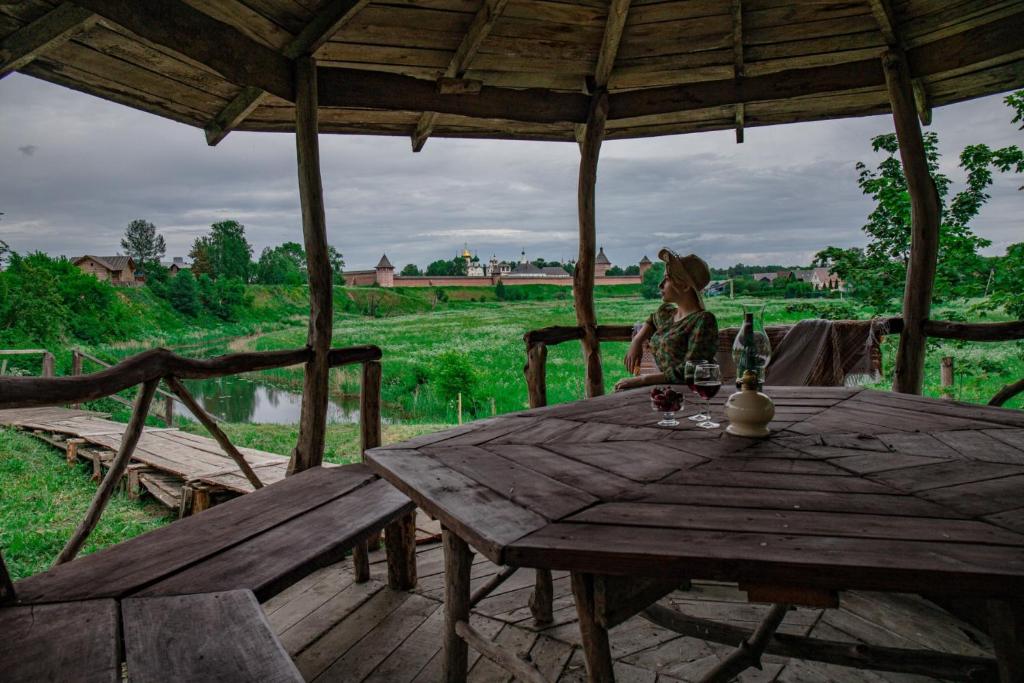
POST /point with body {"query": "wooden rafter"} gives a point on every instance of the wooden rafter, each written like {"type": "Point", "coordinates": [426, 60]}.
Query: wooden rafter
{"type": "Point", "coordinates": [178, 26]}
{"type": "Point", "coordinates": [378, 90]}
{"type": "Point", "coordinates": [737, 54]}
{"type": "Point", "coordinates": [478, 31]}
{"type": "Point", "coordinates": [618, 12]}
{"type": "Point", "coordinates": [318, 31]}
{"type": "Point", "coordinates": [882, 9]}
{"type": "Point", "coordinates": [50, 30]}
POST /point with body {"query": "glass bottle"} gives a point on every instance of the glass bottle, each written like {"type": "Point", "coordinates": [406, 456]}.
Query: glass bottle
{"type": "Point", "coordinates": [752, 350]}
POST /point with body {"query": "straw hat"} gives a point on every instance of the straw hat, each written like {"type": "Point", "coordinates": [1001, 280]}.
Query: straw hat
{"type": "Point", "coordinates": [690, 270]}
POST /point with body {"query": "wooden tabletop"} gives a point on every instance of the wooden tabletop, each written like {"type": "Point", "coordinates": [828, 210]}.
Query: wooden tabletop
{"type": "Point", "coordinates": [854, 489]}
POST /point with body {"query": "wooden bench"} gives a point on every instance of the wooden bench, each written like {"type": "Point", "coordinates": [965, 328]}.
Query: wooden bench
{"type": "Point", "coordinates": [66, 622]}
{"type": "Point", "coordinates": [263, 541]}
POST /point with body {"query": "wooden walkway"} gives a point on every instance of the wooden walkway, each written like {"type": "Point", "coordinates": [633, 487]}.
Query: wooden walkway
{"type": "Point", "coordinates": [337, 630]}
{"type": "Point", "coordinates": [181, 470]}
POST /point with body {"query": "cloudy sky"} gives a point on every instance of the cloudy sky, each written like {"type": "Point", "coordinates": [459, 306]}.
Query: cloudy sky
{"type": "Point", "coordinates": [76, 169]}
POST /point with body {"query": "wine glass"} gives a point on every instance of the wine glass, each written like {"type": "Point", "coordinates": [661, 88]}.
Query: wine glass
{"type": "Point", "coordinates": [666, 401]}
{"type": "Point", "coordinates": [688, 371]}
{"type": "Point", "coordinates": [707, 380]}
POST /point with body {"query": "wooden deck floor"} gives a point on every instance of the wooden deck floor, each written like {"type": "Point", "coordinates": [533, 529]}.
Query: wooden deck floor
{"type": "Point", "coordinates": [337, 630]}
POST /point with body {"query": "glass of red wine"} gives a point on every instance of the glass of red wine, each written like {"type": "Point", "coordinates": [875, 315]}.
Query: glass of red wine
{"type": "Point", "coordinates": [688, 372]}
{"type": "Point", "coordinates": [707, 380]}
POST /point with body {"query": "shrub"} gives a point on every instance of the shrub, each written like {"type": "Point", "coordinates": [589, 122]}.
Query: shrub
{"type": "Point", "coordinates": [453, 373]}
{"type": "Point", "coordinates": [649, 286]}
{"type": "Point", "coordinates": [183, 294]}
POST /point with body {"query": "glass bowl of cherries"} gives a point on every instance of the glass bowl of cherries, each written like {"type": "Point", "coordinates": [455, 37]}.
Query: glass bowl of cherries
{"type": "Point", "coordinates": [667, 401]}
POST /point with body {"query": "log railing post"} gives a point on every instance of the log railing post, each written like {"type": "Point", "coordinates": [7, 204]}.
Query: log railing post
{"type": "Point", "coordinates": [947, 377]}
{"type": "Point", "coordinates": [536, 374]}
{"type": "Point", "coordinates": [117, 467]}
{"type": "Point", "coordinates": [169, 411]}
{"type": "Point", "coordinates": [583, 276]}
{"type": "Point", "coordinates": [309, 451]}
{"type": "Point", "coordinates": [370, 437]}
{"type": "Point", "coordinates": [47, 365]}
{"type": "Point", "coordinates": [925, 215]}
{"type": "Point", "coordinates": [76, 369]}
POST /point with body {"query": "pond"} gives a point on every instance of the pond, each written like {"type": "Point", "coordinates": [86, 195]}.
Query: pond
{"type": "Point", "coordinates": [251, 400]}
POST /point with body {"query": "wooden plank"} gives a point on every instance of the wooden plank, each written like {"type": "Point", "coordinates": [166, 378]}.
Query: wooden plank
{"type": "Point", "coordinates": [752, 520]}
{"type": "Point", "coordinates": [271, 561]}
{"type": "Point", "coordinates": [593, 480]}
{"type": "Point", "coordinates": [59, 642]}
{"type": "Point", "coordinates": [143, 560]}
{"type": "Point", "coordinates": [525, 487]}
{"type": "Point", "coordinates": [933, 476]}
{"type": "Point", "coordinates": [487, 520]}
{"type": "Point", "coordinates": [831, 563]}
{"type": "Point", "coordinates": [980, 498]}
{"type": "Point", "coordinates": [980, 446]}
{"type": "Point", "coordinates": [638, 461]}
{"type": "Point", "coordinates": [235, 641]}
{"type": "Point", "coordinates": [769, 480]}
{"type": "Point", "coordinates": [301, 638]}
{"type": "Point", "coordinates": [24, 45]}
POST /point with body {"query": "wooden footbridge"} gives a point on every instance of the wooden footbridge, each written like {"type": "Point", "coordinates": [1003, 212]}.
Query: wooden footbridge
{"type": "Point", "coordinates": [186, 472]}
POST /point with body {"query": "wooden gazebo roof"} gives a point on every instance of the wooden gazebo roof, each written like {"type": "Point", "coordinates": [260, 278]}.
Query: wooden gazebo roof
{"type": "Point", "coordinates": [514, 68]}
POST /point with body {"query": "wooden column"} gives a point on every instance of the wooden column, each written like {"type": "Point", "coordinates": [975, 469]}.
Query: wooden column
{"type": "Point", "coordinates": [309, 451]}
{"type": "Point", "coordinates": [536, 374]}
{"type": "Point", "coordinates": [117, 467]}
{"type": "Point", "coordinates": [924, 241]}
{"type": "Point", "coordinates": [597, 652]}
{"type": "Point", "coordinates": [76, 369]}
{"type": "Point", "coordinates": [400, 545]}
{"type": "Point", "coordinates": [458, 560]}
{"type": "Point", "coordinates": [583, 278]}
{"type": "Point", "coordinates": [369, 437]}
{"type": "Point", "coordinates": [47, 369]}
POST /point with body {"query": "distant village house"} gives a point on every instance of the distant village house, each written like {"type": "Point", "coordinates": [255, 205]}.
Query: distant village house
{"type": "Point", "coordinates": [117, 270]}
{"type": "Point", "coordinates": [176, 265]}
{"type": "Point", "coordinates": [820, 278]}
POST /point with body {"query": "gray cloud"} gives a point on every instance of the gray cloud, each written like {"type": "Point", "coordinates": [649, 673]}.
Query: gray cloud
{"type": "Point", "coordinates": [28, 150]}
{"type": "Point", "coordinates": [784, 194]}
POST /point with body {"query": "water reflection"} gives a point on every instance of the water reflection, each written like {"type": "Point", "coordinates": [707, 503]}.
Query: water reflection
{"type": "Point", "coordinates": [241, 399]}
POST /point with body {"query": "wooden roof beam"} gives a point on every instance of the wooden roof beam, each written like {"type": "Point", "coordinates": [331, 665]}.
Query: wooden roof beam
{"type": "Point", "coordinates": [180, 27]}
{"type": "Point", "coordinates": [737, 54]}
{"type": "Point", "coordinates": [481, 26]}
{"type": "Point", "coordinates": [354, 88]}
{"type": "Point", "coordinates": [882, 9]}
{"type": "Point", "coordinates": [318, 31]}
{"type": "Point", "coordinates": [618, 12]}
{"type": "Point", "coordinates": [53, 28]}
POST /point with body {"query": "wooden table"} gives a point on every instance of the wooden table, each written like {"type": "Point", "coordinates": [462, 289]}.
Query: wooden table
{"type": "Point", "coordinates": [854, 489]}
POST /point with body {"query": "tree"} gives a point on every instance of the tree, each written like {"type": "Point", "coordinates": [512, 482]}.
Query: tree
{"type": "Point", "coordinates": [877, 273]}
{"type": "Point", "coordinates": [225, 252]}
{"type": "Point", "coordinates": [614, 271]}
{"type": "Point", "coordinates": [632, 270]}
{"type": "Point", "coordinates": [143, 243]}
{"type": "Point", "coordinates": [437, 268]}
{"type": "Point", "coordinates": [650, 285]}
{"type": "Point", "coordinates": [499, 291]}
{"type": "Point", "coordinates": [410, 270]}
{"type": "Point", "coordinates": [277, 267]}
{"type": "Point", "coordinates": [454, 374]}
{"type": "Point", "coordinates": [183, 294]}
{"type": "Point", "coordinates": [337, 265]}
{"type": "Point", "coordinates": [1008, 281]}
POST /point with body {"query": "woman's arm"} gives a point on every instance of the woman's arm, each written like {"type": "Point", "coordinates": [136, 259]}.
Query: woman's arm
{"type": "Point", "coordinates": [636, 348]}
{"type": "Point", "coordinates": [641, 381]}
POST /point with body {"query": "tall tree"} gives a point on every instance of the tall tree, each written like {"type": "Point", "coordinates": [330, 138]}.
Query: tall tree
{"type": "Point", "coordinates": [144, 244]}
{"type": "Point", "coordinates": [225, 252]}
{"type": "Point", "coordinates": [337, 265]}
{"type": "Point", "coordinates": [410, 270]}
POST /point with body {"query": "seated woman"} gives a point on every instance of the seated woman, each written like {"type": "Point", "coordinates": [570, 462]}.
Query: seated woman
{"type": "Point", "coordinates": [680, 330]}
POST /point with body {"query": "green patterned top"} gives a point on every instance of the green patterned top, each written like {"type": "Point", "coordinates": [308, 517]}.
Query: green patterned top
{"type": "Point", "coordinates": [674, 342]}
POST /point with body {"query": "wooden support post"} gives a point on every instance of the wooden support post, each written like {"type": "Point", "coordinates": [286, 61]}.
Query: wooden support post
{"type": "Point", "coordinates": [458, 560]}
{"type": "Point", "coordinates": [924, 239]}
{"type": "Point", "coordinates": [47, 365]}
{"type": "Point", "coordinates": [536, 374]}
{"type": "Point", "coordinates": [309, 451]}
{"type": "Point", "coordinates": [514, 663]}
{"type": "Point", "coordinates": [71, 449]}
{"type": "Point", "coordinates": [596, 650]}
{"type": "Point", "coordinates": [737, 56]}
{"type": "Point", "coordinates": [947, 377]}
{"type": "Point", "coordinates": [117, 467]}
{"type": "Point", "coordinates": [583, 277]}
{"type": "Point", "coordinates": [361, 561]}
{"type": "Point", "coordinates": [215, 431]}
{"type": "Point", "coordinates": [169, 411]}
{"type": "Point", "coordinates": [185, 508]}
{"type": "Point", "coordinates": [400, 546]}
{"type": "Point", "coordinates": [201, 498]}
{"type": "Point", "coordinates": [133, 486]}
{"type": "Point", "coordinates": [369, 408]}
{"type": "Point", "coordinates": [542, 598]}
{"type": "Point", "coordinates": [370, 437]}
{"type": "Point", "coordinates": [749, 652]}
{"type": "Point", "coordinates": [76, 369]}
{"type": "Point", "coordinates": [1006, 626]}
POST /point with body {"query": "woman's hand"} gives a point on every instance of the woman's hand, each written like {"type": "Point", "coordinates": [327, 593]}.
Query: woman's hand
{"type": "Point", "coordinates": [633, 357]}
{"type": "Point", "coordinates": [629, 383]}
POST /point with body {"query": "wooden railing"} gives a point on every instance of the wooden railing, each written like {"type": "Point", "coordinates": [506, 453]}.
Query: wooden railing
{"type": "Point", "coordinates": [46, 366]}
{"type": "Point", "coordinates": [78, 358]}
{"type": "Point", "coordinates": [148, 369]}
{"type": "Point", "coordinates": [537, 342]}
